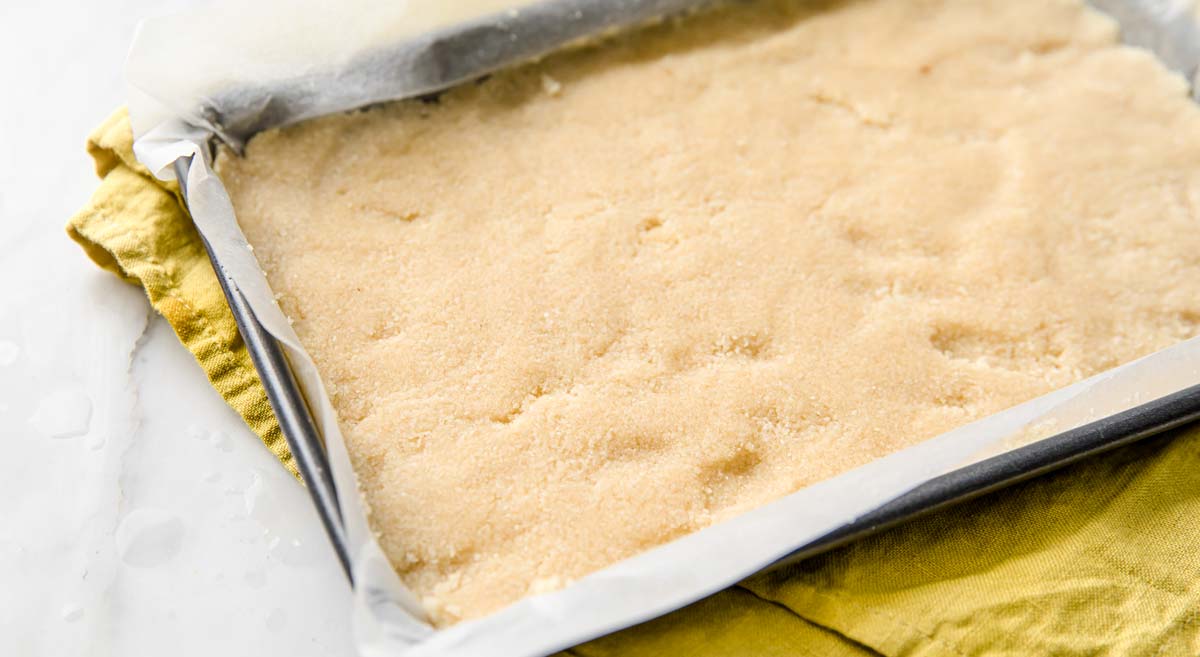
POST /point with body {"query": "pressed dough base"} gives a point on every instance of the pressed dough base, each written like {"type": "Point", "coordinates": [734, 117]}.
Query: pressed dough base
{"type": "Point", "coordinates": [587, 306]}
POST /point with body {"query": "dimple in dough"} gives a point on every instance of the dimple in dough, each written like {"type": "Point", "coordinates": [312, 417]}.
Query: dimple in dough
{"type": "Point", "coordinates": [590, 305]}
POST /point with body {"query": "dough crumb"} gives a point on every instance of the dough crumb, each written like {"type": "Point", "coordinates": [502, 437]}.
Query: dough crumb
{"type": "Point", "coordinates": [550, 85]}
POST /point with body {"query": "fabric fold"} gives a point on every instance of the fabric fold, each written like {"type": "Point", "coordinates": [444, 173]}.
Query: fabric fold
{"type": "Point", "coordinates": [136, 227]}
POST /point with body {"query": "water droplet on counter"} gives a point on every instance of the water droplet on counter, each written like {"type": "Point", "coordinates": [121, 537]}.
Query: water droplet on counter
{"type": "Point", "coordinates": [242, 529]}
{"type": "Point", "coordinates": [252, 494]}
{"type": "Point", "coordinates": [195, 432]}
{"type": "Point", "coordinates": [239, 481]}
{"type": "Point", "coordinates": [8, 353]}
{"type": "Point", "coordinates": [64, 413]}
{"type": "Point", "coordinates": [276, 620]}
{"type": "Point", "coordinates": [212, 477]}
{"type": "Point", "coordinates": [72, 613]}
{"type": "Point", "coordinates": [295, 552]}
{"type": "Point", "coordinates": [149, 537]}
{"type": "Point", "coordinates": [96, 443]}
{"type": "Point", "coordinates": [222, 442]}
{"type": "Point", "coordinates": [264, 517]}
{"type": "Point", "coordinates": [255, 579]}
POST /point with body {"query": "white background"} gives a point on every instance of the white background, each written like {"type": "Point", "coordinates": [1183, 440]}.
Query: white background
{"type": "Point", "coordinates": [155, 523]}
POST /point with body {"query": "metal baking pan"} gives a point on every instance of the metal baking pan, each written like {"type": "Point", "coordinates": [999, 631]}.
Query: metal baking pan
{"type": "Point", "coordinates": [1045, 455]}
{"type": "Point", "coordinates": [1178, 47]}
{"type": "Point", "coordinates": [1018, 465]}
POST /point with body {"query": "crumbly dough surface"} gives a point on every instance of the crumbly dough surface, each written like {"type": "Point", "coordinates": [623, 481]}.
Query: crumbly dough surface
{"type": "Point", "coordinates": [584, 307]}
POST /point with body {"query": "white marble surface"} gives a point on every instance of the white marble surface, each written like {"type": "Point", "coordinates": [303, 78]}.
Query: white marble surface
{"type": "Point", "coordinates": [138, 515]}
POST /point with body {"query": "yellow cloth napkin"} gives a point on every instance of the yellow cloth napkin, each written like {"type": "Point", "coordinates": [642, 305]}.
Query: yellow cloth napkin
{"type": "Point", "coordinates": [136, 227]}
{"type": "Point", "coordinates": [1100, 559]}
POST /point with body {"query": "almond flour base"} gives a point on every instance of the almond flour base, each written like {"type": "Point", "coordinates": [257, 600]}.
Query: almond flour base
{"type": "Point", "coordinates": [587, 306]}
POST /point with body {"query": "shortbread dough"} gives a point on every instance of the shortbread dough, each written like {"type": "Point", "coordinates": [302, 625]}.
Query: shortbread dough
{"type": "Point", "coordinates": [581, 308]}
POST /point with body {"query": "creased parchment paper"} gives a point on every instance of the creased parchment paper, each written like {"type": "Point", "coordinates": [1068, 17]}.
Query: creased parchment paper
{"type": "Point", "coordinates": [194, 76]}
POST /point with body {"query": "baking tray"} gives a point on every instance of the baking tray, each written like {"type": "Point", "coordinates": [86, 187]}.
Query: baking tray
{"type": "Point", "coordinates": [987, 475]}
{"type": "Point", "coordinates": [1045, 455]}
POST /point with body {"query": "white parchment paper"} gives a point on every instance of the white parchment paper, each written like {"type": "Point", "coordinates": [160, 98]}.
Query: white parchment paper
{"type": "Point", "coordinates": [233, 69]}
